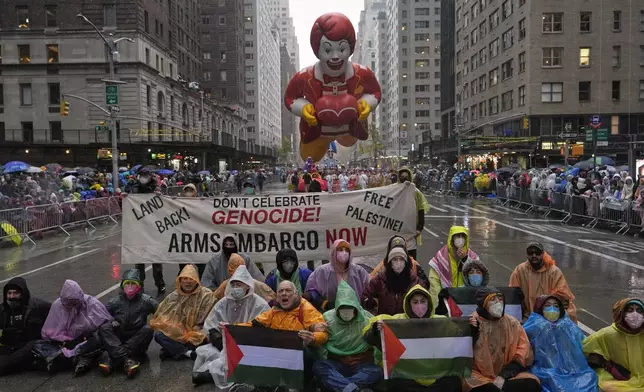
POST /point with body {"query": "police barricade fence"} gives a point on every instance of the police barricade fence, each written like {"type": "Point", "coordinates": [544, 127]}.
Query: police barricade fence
{"type": "Point", "coordinates": [34, 221]}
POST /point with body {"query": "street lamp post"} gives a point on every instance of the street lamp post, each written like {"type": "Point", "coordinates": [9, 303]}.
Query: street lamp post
{"type": "Point", "coordinates": [111, 47]}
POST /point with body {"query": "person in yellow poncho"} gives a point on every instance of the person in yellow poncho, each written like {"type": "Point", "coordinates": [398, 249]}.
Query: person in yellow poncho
{"type": "Point", "coordinates": [417, 305]}
{"type": "Point", "coordinates": [616, 352]}
{"type": "Point", "coordinates": [178, 322]}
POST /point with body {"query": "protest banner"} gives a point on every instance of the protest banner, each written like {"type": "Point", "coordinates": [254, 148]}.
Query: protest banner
{"type": "Point", "coordinates": [159, 229]}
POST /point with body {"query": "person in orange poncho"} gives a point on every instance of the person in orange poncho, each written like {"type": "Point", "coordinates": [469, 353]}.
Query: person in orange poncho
{"type": "Point", "coordinates": [502, 351]}
{"type": "Point", "coordinates": [260, 288]}
{"type": "Point", "coordinates": [178, 322]}
{"type": "Point", "coordinates": [540, 276]}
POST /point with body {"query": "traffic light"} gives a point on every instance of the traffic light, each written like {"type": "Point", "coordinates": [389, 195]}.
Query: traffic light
{"type": "Point", "coordinates": [64, 108]}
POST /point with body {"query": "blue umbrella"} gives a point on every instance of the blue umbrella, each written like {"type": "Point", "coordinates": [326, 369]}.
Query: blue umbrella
{"type": "Point", "coordinates": [204, 172]}
{"type": "Point", "coordinates": [135, 168]}
{"type": "Point", "coordinates": [165, 172]}
{"type": "Point", "coordinates": [603, 161]}
{"type": "Point", "coordinates": [15, 166]}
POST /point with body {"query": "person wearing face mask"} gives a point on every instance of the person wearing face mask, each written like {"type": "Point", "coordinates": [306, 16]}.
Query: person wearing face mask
{"type": "Point", "coordinates": [422, 206]}
{"type": "Point", "coordinates": [385, 293]}
{"type": "Point", "coordinates": [348, 363]}
{"type": "Point", "coordinates": [398, 241]}
{"type": "Point", "coordinates": [262, 289]}
{"type": "Point", "coordinates": [322, 285]}
{"type": "Point", "coordinates": [616, 352]}
{"type": "Point", "coordinates": [128, 336]}
{"type": "Point", "coordinates": [417, 305]}
{"type": "Point", "coordinates": [70, 332]}
{"type": "Point", "coordinates": [179, 319]}
{"type": "Point", "coordinates": [539, 276]}
{"type": "Point", "coordinates": [288, 269]}
{"type": "Point", "coordinates": [217, 268]}
{"type": "Point", "coordinates": [475, 273]}
{"type": "Point", "coordinates": [22, 316]}
{"type": "Point", "coordinates": [445, 268]}
{"type": "Point", "coordinates": [240, 304]}
{"type": "Point", "coordinates": [559, 359]}
{"type": "Point", "coordinates": [502, 351]}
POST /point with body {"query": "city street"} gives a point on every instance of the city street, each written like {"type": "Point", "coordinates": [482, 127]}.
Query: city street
{"type": "Point", "coordinates": [600, 267]}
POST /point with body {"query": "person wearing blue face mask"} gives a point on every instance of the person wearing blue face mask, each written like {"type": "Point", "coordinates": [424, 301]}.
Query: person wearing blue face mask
{"type": "Point", "coordinates": [475, 273]}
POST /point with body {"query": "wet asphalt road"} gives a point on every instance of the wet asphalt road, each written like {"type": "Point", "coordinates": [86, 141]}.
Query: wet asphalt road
{"type": "Point", "coordinates": [600, 267]}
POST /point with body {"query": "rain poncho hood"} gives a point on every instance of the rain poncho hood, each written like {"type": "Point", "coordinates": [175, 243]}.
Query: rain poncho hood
{"type": "Point", "coordinates": [417, 289]}
{"type": "Point", "coordinates": [620, 347]}
{"type": "Point", "coordinates": [407, 170]}
{"type": "Point", "coordinates": [181, 314]}
{"type": "Point", "coordinates": [68, 323]}
{"type": "Point", "coordinates": [20, 284]}
{"type": "Point", "coordinates": [397, 241]}
{"type": "Point", "coordinates": [345, 338]}
{"type": "Point", "coordinates": [559, 360]}
{"type": "Point", "coordinates": [475, 263]}
{"type": "Point", "coordinates": [131, 274]}
{"type": "Point", "coordinates": [234, 262]}
{"type": "Point", "coordinates": [282, 255]}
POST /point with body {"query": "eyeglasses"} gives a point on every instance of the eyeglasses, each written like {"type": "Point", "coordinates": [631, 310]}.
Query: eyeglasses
{"type": "Point", "coordinates": [534, 253]}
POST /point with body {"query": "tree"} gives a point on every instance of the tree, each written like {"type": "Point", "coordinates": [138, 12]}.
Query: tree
{"type": "Point", "coordinates": [373, 145]}
{"type": "Point", "coordinates": [285, 149]}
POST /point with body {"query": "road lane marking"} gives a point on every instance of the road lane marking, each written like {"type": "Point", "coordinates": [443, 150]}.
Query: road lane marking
{"type": "Point", "coordinates": [595, 316]}
{"type": "Point", "coordinates": [430, 232]}
{"type": "Point", "coordinates": [52, 264]}
{"type": "Point", "coordinates": [443, 216]}
{"type": "Point", "coordinates": [436, 208]}
{"type": "Point", "coordinates": [587, 330]}
{"type": "Point", "coordinates": [116, 286]}
{"type": "Point", "coordinates": [498, 207]}
{"type": "Point", "coordinates": [617, 246]}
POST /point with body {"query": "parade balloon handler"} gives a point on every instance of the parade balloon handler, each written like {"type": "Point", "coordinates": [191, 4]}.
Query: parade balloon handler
{"type": "Point", "coordinates": [333, 97]}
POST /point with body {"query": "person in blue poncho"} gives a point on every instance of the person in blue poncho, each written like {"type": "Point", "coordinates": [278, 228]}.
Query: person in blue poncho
{"type": "Point", "coordinates": [559, 360]}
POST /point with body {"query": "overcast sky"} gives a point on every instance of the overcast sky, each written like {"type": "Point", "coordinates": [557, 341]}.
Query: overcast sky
{"type": "Point", "coordinates": [305, 12]}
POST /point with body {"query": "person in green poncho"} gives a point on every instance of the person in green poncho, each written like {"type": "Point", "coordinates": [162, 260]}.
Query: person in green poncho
{"type": "Point", "coordinates": [349, 364]}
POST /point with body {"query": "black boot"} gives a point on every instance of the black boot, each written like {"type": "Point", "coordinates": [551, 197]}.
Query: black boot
{"type": "Point", "coordinates": [200, 378]}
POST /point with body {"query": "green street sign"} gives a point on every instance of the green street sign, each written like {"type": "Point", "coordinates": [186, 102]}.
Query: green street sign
{"type": "Point", "coordinates": [602, 134]}
{"type": "Point", "coordinates": [589, 135]}
{"type": "Point", "coordinates": [112, 94]}
{"type": "Point", "coordinates": [101, 128]}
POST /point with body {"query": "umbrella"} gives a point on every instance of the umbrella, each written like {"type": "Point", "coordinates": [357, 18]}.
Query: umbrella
{"type": "Point", "coordinates": [15, 166]}
{"type": "Point", "coordinates": [34, 169]}
{"type": "Point", "coordinates": [506, 170]}
{"type": "Point", "coordinates": [122, 169]}
{"type": "Point", "coordinates": [602, 161]}
{"type": "Point", "coordinates": [204, 173]}
{"type": "Point", "coordinates": [584, 165]}
{"type": "Point", "coordinates": [556, 166]}
{"type": "Point", "coordinates": [152, 168]}
{"type": "Point", "coordinates": [84, 170]}
{"type": "Point", "coordinates": [53, 167]}
{"type": "Point", "coordinates": [70, 173]}
{"type": "Point", "coordinates": [135, 168]}
{"type": "Point", "coordinates": [165, 172]}
{"type": "Point", "coordinates": [623, 168]}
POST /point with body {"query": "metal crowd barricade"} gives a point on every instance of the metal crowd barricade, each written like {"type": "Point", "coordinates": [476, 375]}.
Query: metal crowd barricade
{"type": "Point", "coordinates": [114, 206]}
{"type": "Point", "coordinates": [615, 212]}
{"type": "Point", "coordinates": [560, 203]}
{"type": "Point", "coordinates": [635, 217]}
{"type": "Point", "coordinates": [13, 222]}
{"type": "Point", "coordinates": [44, 217]}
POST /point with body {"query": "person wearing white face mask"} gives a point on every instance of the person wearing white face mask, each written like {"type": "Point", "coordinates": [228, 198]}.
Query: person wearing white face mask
{"type": "Point", "coordinates": [616, 352]}
{"type": "Point", "coordinates": [262, 289]}
{"type": "Point", "coordinates": [288, 268]}
{"type": "Point", "coordinates": [322, 285]}
{"type": "Point", "coordinates": [348, 363]}
{"type": "Point", "coordinates": [497, 369]}
{"type": "Point", "coordinates": [385, 293]}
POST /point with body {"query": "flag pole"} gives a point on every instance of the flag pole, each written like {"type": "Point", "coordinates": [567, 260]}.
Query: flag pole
{"type": "Point", "coordinates": [384, 352]}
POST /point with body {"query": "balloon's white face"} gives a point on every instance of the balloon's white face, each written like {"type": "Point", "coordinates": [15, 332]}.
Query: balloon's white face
{"type": "Point", "coordinates": [333, 56]}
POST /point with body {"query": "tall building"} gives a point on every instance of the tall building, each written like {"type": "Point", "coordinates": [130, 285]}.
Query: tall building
{"type": "Point", "coordinates": [412, 90]}
{"type": "Point", "coordinates": [539, 68]}
{"type": "Point", "coordinates": [448, 68]}
{"type": "Point", "coordinates": [222, 37]}
{"type": "Point", "coordinates": [290, 130]}
{"type": "Point", "coordinates": [263, 78]}
{"type": "Point", "coordinates": [48, 52]}
{"type": "Point", "coordinates": [280, 11]}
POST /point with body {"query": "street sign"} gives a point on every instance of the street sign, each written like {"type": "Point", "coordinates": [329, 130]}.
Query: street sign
{"type": "Point", "coordinates": [602, 137]}
{"type": "Point", "coordinates": [568, 127]}
{"type": "Point", "coordinates": [568, 135]}
{"type": "Point", "coordinates": [111, 94]}
{"type": "Point", "coordinates": [589, 135]}
{"type": "Point", "coordinates": [595, 119]}
{"type": "Point", "coordinates": [115, 109]}
{"type": "Point", "coordinates": [101, 128]}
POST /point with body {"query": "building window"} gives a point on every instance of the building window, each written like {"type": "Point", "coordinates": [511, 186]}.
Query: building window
{"type": "Point", "coordinates": [617, 21]}
{"type": "Point", "coordinates": [506, 70]}
{"type": "Point", "coordinates": [521, 96]}
{"type": "Point", "coordinates": [494, 48]}
{"type": "Point", "coordinates": [147, 56]}
{"type": "Point", "coordinates": [616, 93]}
{"type": "Point", "coordinates": [24, 55]}
{"type": "Point", "coordinates": [222, 56]}
{"type": "Point", "coordinates": [494, 19]}
{"type": "Point", "coordinates": [551, 57]}
{"type": "Point", "coordinates": [642, 20]}
{"type": "Point", "coordinates": [494, 77]}
{"type": "Point", "coordinates": [54, 93]}
{"type": "Point", "coordinates": [617, 56]}
{"type": "Point", "coordinates": [641, 95]}
{"type": "Point", "coordinates": [50, 16]}
{"type": "Point", "coordinates": [584, 57]}
{"type": "Point", "coordinates": [207, 75]}
{"type": "Point", "coordinates": [52, 54]}
{"type": "Point", "coordinates": [552, 23]}
{"type": "Point", "coordinates": [551, 92]}
{"type": "Point", "coordinates": [27, 131]}
{"type": "Point", "coordinates": [522, 32]}
{"type": "Point", "coordinates": [521, 62]}
{"type": "Point", "coordinates": [585, 22]}
{"type": "Point", "coordinates": [507, 101]}
{"type": "Point", "coordinates": [109, 15]}
{"type": "Point", "coordinates": [25, 94]}
{"type": "Point", "coordinates": [148, 96]}
{"type": "Point", "coordinates": [223, 75]}
{"type": "Point", "coordinates": [206, 55]}
{"type": "Point", "coordinates": [508, 38]}
{"type": "Point", "coordinates": [584, 91]}
{"type": "Point", "coordinates": [222, 21]}
{"type": "Point", "coordinates": [56, 131]}
{"type": "Point", "coordinates": [23, 17]}
{"type": "Point", "coordinates": [508, 8]}
{"type": "Point", "coordinates": [493, 106]}
{"type": "Point", "coordinates": [146, 21]}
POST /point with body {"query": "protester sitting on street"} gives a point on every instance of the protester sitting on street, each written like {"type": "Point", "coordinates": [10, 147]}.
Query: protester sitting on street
{"type": "Point", "coordinates": [21, 320]}
{"type": "Point", "coordinates": [539, 276]}
{"type": "Point", "coordinates": [239, 305]}
{"type": "Point", "coordinates": [322, 285]}
{"type": "Point", "coordinates": [445, 269]}
{"type": "Point", "coordinates": [349, 359]}
{"type": "Point", "coordinates": [386, 292]}
{"type": "Point", "coordinates": [288, 268]}
{"type": "Point", "coordinates": [261, 288]}
{"type": "Point", "coordinates": [556, 341]}
{"type": "Point", "coordinates": [179, 319]}
{"type": "Point", "coordinates": [217, 268]}
{"type": "Point", "coordinates": [128, 336]}
{"type": "Point", "coordinates": [398, 241]}
{"type": "Point", "coordinates": [417, 305]}
{"type": "Point", "coordinates": [502, 352]}
{"type": "Point", "coordinates": [616, 352]}
{"type": "Point", "coordinates": [70, 331]}
{"type": "Point", "coordinates": [475, 273]}
{"type": "Point", "coordinates": [422, 207]}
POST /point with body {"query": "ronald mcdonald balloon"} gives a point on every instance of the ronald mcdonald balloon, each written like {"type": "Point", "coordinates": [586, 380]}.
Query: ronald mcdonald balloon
{"type": "Point", "coordinates": [334, 96]}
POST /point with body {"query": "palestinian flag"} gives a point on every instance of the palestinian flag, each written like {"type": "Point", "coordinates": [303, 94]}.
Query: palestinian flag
{"type": "Point", "coordinates": [427, 348]}
{"type": "Point", "coordinates": [264, 357]}
{"type": "Point", "coordinates": [464, 298]}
